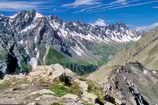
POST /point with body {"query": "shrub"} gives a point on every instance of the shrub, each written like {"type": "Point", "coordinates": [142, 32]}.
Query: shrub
{"type": "Point", "coordinates": [56, 104]}
{"type": "Point", "coordinates": [60, 89]}
{"type": "Point", "coordinates": [65, 79]}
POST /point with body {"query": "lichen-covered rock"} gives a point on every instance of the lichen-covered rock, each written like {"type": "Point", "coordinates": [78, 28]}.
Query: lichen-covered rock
{"type": "Point", "coordinates": [70, 96]}
{"type": "Point", "coordinates": [89, 97]}
{"type": "Point", "coordinates": [43, 91]}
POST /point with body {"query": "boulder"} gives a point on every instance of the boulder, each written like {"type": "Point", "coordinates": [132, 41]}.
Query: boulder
{"type": "Point", "coordinates": [43, 91]}
{"type": "Point", "coordinates": [89, 97]}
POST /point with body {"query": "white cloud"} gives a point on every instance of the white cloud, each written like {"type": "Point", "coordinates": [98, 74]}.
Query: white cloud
{"type": "Point", "coordinates": [100, 22]}
{"type": "Point", "coordinates": [77, 3]}
{"type": "Point", "coordinates": [18, 5]}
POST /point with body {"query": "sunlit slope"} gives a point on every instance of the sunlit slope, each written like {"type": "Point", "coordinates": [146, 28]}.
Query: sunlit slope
{"type": "Point", "coordinates": [144, 51]}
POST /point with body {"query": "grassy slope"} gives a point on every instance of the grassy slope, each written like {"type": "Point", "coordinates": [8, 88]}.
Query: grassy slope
{"type": "Point", "coordinates": [56, 57]}
{"type": "Point", "coordinates": [107, 51]}
{"type": "Point", "coordinates": [144, 51]}
{"type": "Point", "coordinates": [80, 67]}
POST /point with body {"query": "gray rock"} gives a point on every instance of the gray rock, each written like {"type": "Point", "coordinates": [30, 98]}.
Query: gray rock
{"type": "Point", "coordinates": [132, 86]}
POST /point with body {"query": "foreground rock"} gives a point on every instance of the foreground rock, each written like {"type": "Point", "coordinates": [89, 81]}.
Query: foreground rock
{"type": "Point", "coordinates": [48, 85]}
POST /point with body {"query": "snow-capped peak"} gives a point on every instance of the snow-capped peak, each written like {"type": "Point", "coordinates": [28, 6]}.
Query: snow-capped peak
{"type": "Point", "coordinates": [100, 31]}
{"type": "Point", "coordinates": [38, 15]}
{"type": "Point", "coordinates": [13, 16]}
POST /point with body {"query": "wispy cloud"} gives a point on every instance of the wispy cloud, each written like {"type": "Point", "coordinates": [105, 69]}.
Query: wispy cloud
{"type": "Point", "coordinates": [155, 6]}
{"type": "Point", "coordinates": [108, 5]}
{"type": "Point", "coordinates": [117, 5]}
{"type": "Point", "coordinates": [77, 3]}
{"type": "Point", "coordinates": [133, 5]}
{"type": "Point", "coordinates": [18, 5]}
{"type": "Point", "coordinates": [123, 2]}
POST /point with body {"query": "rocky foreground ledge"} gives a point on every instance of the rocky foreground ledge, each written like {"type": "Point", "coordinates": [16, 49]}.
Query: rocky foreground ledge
{"type": "Point", "coordinates": [50, 85]}
{"type": "Point", "coordinates": [132, 84]}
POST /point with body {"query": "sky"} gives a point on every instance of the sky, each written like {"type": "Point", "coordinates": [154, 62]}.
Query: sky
{"type": "Point", "coordinates": [134, 13]}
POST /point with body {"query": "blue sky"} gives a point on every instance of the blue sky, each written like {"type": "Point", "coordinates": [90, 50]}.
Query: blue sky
{"type": "Point", "coordinates": [132, 12]}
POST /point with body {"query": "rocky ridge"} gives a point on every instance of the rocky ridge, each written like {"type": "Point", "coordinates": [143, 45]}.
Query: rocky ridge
{"type": "Point", "coordinates": [132, 84]}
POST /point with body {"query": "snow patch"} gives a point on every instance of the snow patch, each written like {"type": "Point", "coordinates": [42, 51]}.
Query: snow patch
{"type": "Point", "coordinates": [21, 42]}
{"type": "Point", "coordinates": [28, 28]}
{"type": "Point", "coordinates": [27, 51]}
{"type": "Point", "coordinates": [38, 15]}
{"type": "Point", "coordinates": [33, 62]}
{"type": "Point", "coordinates": [38, 54]}
{"type": "Point", "coordinates": [78, 50]}
{"type": "Point", "coordinates": [54, 25]}
{"type": "Point", "coordinates": [12, 17]}
{"type": "Point", "coordinates": [63, 33]}
{"type": "Point", "coordinates": [35, 40]}
{"type": "Point", "coordinates": [129, 36]}
{"type": "Point", "coordinates": [36, 49]}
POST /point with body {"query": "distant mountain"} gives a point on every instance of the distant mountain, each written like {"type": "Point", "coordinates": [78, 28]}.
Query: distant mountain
{"type": "Point", "coordinates": [31, 38]}
{"type": "Point", "coordinates": [144, 51]}
{"type": "Point", "coordinates": [143, 29]}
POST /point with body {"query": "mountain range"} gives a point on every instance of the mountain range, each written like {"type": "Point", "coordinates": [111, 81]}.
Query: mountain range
{"type": "Point", "coordinates": [29, 38]}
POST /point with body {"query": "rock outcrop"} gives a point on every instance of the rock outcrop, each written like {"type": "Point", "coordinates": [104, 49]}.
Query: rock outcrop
{"type": "Point", "coordinates": [47, 85]}
{"type": "Point", "coordinates": [131, 84]}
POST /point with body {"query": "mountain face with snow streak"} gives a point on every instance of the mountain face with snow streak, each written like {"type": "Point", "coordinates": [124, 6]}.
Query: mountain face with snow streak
{"type": "Point", "coordinates": [28, 35]}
